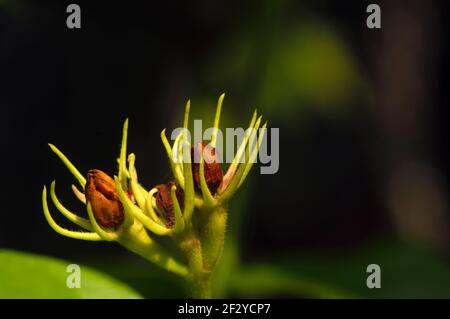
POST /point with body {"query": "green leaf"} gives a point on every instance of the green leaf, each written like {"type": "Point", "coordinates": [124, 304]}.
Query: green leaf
{"type": "Point", "coordinates": [148, 279]}
{"type": "Point", "coordinates": [25, 275]}
{"type": "Point", "coordinates": [408, 270]}
{"type": "Point", "coordinates": [265, 280]}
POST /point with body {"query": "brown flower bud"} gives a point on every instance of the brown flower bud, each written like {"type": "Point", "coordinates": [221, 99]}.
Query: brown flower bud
{"type": "Point", "coordinates": [102, 194]}
{"type": "Point", "coordinates": [165, 203]}
{"type": "Point", "coordinates": [213, 169]}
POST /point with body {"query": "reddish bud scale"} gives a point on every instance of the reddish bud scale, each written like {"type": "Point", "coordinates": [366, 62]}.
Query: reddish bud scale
{"type": "Point", "coordinates": [102, 194]}
{"type": "Point", "coordinates": [213, 169]}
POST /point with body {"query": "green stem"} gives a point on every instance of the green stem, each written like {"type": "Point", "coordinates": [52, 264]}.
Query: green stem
{"type": "Point", "coordinates": [200, 286]}
{"type": "Point", "coordinates": [212, 234]}
{"type": "Point", "coordinates": [137, 240]}
{"type": "Point", "coordinates": [199, 278]}
{"type": "Point", "coordinates": [204, 250]}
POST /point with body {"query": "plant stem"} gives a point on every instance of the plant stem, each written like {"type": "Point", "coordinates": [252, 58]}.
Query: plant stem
{"type": "Point", "coordinates": [204, 249]}
{"type": "Point", "coordinates": [198, 279]}
{"type": "Point", "coordinates": [200, 285]}
{"type": "Point", "coordinates": [212, 234]}
{"type": "Point", "coordinates": [136, 239]}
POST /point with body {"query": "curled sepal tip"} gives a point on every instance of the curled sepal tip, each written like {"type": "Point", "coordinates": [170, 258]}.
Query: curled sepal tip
{"type": "Point", "coordinates": [80, 178]}
{"type": "Point", "coordinates": [80, 221]}
{"type": "Point", "coordinates": [62, 231]}
{"type": "Point", "coordinates": [138, 213]}
{"type": "Point", "coordinates": [79, 194]}
{"type": "Point", "coordinates": [175, 167]}
{"type": "Point", "coordinates": [208, 198]}
{"type": "Point", "coordinates": [149, 206]}
{"type": "Point", "coordinates": [253, 155]}
{"type": "Point", "coordinates": [189, 191]}
{"type": "Point", "coordinates": [186, 114]}
{"type": "Point", "coordinates": [138, 192]}
{"type": "Point", "coordinates": [233, 166]}
{"type": "Point", "coordinates": [217, 120]}
{"type": "Point", "coordinates": [233, 184]}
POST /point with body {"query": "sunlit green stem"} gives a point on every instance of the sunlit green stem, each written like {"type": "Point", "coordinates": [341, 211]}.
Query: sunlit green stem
{"type": "Point", "coordinates": [137, 240]}
{"type": "Point", "coordinates": [199, 278]}
{"type": "Point", "coordinates": [212, 234]}
{"type": "Point", "coordinates": [200, 285]}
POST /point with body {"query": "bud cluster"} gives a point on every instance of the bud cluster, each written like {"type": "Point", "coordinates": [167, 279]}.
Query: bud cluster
{"type": "Point", "coordinates": [120, 209]}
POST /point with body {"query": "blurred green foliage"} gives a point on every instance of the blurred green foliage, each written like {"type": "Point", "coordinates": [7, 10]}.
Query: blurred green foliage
{"type": "Point", "coordinates": [407, 271]}
{"type": "Point", "coordinates": [24, 275]}
{"type": "Point", "coordinates": [311, 66]}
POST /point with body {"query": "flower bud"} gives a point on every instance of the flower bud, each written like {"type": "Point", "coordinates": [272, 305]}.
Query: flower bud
{"type": "Point", "coordinates": [102, 194]}
{"type": "Point", "coordinates": [165, 203]}
{"type": "Point", "coordinates": [213, 169]}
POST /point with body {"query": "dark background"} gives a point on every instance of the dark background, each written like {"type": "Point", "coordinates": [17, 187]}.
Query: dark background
{"type": "Point", "coordinates": [362, 113]}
